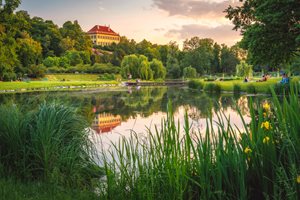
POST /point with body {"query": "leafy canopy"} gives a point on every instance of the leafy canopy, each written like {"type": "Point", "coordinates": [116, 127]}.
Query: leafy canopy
{"type": "Point", "coordinates": [270, 28]}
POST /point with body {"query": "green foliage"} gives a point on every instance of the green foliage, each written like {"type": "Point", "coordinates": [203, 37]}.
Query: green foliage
{"type": "Point", "coordinates": [209, 87]}
{"type": "Point", "coordinates": [229, 60]}
{"type": "Point", "coordinates": [168, 164]}
{"type": "Point", "coordinates": [158, 69]}
{"type": "Point", "coordinates": [29, 51]}
{"type": "Point", "coordinates": [36, 71]}
{"type": "Point", "coordinates": [251, 89]}
{"type": "Point", "coordinates": [196, 84]}
{"type": "Point", "coordinates": [244, 70]}
{"type": "Point", "coordinates": [51, 62]}
{"type": "Point", "coordinates": [49, 144]}
{"type": "Point", "coordinates": [237, 89]}
{"type": "Point", "coordinates": [105, 68]}
{"type": "Point", "coordinates": [270, 29]}
{"type": "Point", "coordinates": [189, 72]}
{"type": "Point", "coordinates": [106, 77]}
{"type": "Point", "coordinates": [137, 67]}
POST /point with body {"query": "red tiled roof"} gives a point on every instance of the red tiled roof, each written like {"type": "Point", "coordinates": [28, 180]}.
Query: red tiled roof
{"type": "Point", "coordinates": [102, 30]}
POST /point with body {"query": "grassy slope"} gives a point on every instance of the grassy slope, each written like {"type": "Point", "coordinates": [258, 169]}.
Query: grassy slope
{"type": "Point", "coordinates": [72, 77]}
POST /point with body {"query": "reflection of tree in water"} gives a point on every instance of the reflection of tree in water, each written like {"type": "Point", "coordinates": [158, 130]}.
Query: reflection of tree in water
{"type": "Point", "coordinates": [145, 101]}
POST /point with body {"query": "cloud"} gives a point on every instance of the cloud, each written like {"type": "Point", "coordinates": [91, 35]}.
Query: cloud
{"type": "Point", "coordinates": [100, 5]}
{"type": "Point", "coordinates": [221, 34]}
{"type": "Point", "coordinates": [159, 29]}
{"type": "Point", "coordinates": [194, 8]}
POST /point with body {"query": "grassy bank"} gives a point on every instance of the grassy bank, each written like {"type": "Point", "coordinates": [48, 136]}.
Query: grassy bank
{"type": "Point", "coordinates": [238, 86]}
{"type": "Point", "coordinates": [260, 162]}
{"type": "Point", "coordinates": [52, 85]}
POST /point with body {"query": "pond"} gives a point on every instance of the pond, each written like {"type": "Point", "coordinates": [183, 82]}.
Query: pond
{"type": "Point", "coordinates": [113, 113]}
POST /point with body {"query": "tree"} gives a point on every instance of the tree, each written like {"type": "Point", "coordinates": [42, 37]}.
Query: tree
{"type": "Point", "coordinates": [29, 51]}
{"type": "Point", "coordinates": [244, 70]}
{"type": "Point", "coordinates": [74, 57]}
{"type": "Point", "coordinates": [158, 69]}
{"type": "Point", "coordinates": [270, 29]}
{"type": "Point", "coordinates": [145, 71]}
{"type": "Point", "coordinates": [74, 32]}
{"type": "Point", "coordinates": [228, 60]}
{"type": "Point", "coordinates": [198, 53]}
{"type": "Point", "coordinates": [130, 66]}
{"type": "Point", "coordinates": [216, 61]}
{"type": "Point", "coordinates": [189, 72]}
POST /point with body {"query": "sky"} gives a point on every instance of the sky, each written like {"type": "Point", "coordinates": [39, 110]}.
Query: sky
{"type": "Point", "coordinates": [159, 21]}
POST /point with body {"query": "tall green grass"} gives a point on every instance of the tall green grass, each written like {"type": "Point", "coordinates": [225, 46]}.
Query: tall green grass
{"type": "Point", "coordinates": [221, 163]}
{"type": "Point", "coordinates": [49, 144]}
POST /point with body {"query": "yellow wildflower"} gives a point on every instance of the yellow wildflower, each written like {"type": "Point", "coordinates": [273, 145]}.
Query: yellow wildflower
{"type": "Point", "coordinates": [266, 125]}
{"type": "Point", "coordinates": [266, 106]}
{"type": "Point", "coordinates": [265, 114]}
{"type": "Point", "coordinates": [298, 179]}
{"type": "Point", "coordinates": [266, 140]}
{"type": "Point", "coordinates": [247, 150]}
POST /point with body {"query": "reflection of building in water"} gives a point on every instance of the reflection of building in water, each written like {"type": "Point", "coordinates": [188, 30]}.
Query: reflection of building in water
{"type": "Point", "coordinates": [106, 122]}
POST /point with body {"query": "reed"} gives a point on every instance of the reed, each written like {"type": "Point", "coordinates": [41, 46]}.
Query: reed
{"type": "Point", "coordinates": [262, 161]}
{"type": "Point", "coordinates": [49, 144]}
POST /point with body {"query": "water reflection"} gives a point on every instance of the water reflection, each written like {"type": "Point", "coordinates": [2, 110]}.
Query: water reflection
{"type": "Point", "coordinates": [105, 122]}
{"type": "Point", "coordinates": [119, 111]}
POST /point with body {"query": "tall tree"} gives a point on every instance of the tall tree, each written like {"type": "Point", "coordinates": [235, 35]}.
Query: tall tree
{"type": "Point", "coordinates": [270, 29]}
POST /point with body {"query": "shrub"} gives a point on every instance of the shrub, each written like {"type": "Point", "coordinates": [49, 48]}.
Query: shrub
{"type": "Point", "coordinates": [107, 77]}
{"type": "Point", "coordinates": [217, 88]}
{"type": "Point", "coordinates": [189, 72]}
{"type": "Point", "coordinates": [237, 89]}
{"type": "Point", "coordinates": [210, 87]}
{"type": "Point", "coordinates": [9, 76]}
{"type": "Point", "coordinates": [105, 68]}
{"type": "Point", "coordinates": [251, 89]}
{"type": "Point", "coordinates": [195, 84]}
{"type": "Point", "coordinates": [51, 61]}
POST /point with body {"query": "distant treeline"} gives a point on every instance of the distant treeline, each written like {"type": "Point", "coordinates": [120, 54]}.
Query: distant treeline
{"type": "Point", "coordinates": [32, 46]}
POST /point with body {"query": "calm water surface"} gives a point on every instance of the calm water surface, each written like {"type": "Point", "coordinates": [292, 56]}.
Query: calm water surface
{"type": "Point", "coordinates": [117, 113]}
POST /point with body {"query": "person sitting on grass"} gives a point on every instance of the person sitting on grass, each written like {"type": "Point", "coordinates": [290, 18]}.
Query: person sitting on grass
{"type": "Point", "coordinates": [285, 79]}
{"type": "Point", "coordinates": [263, 79]}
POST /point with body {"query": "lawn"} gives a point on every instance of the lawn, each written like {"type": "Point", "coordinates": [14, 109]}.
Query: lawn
{"type": "Point", "coordinates": [52, 85]}
{"type": "Point", "coordinates": [72, 77]}
{"type": "Point", "coordinates": [260, 87]}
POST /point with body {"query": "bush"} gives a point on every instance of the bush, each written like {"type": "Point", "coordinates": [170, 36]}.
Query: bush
{"type": "Point", "coordinates": [36, 71]}
{"type": "Point", "coordinates": [56, 70]}
{"type": "Point", "coordinates": [49, 144]}
{"type": "Point", "coordinates": [51, 61]}
{"type": "Point", "coordinates": [217, 88]}
{"type": "Point", "coordinates": [9, 76]}
{"type": "Point", "coordinates": [105, 68]}
{"type": "Point", "coordinates": [212, 87]}
{"type": "Point", "coordinates": [251, 89]}
{"type": "Point", "coordinates": [237, 89]}
{"type": "Point", "coordinates": [107, 77]}
{"type": "Point", "coordinates": [195, 84]}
